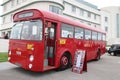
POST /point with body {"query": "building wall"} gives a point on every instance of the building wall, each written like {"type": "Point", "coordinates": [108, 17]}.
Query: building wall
{"type": "Point", "coordinates": [75, 9]}
{"type": "Point", "coordinates": [81, 13]}
{"type": "Point", "coordinates": [114, 30]}
{"type": "Point", "coordinates": [9, 10]}
{"type": "Point", "coordinates": [106, 23]}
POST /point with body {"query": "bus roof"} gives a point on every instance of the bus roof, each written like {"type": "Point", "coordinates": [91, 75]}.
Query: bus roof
{"type": "Point", "coordinates": [50, 15]}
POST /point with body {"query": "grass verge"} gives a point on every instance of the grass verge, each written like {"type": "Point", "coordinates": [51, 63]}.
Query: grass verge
{"type": "Point", "coordinates": [3, 57]}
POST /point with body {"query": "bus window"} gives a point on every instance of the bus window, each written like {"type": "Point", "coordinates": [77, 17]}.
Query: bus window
{"type": "Point", "coordinates": [103, 37]}
{"type": "Point", "coordinates": [99, 36]}
{"type": "Point", "coordinates": [52, 31]}
{"type": "Point", "coordinates": [16, 31]}
{"type": "Point", "coordinates": [87, 34]}
{"type": "Point", "coordinates": [67, 31]}
{"type": "Point", "coordinates": [94, 35]}
{"type": "Point", "coordinates": [32, 30]}
{"type": "Point", "coordinates": [79, 33]}
{"type": "Point", "coordinates": [25, 32]}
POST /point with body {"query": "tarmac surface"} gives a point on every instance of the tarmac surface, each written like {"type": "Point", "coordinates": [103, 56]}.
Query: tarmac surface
{"type": "Point", "coordinates": [108, 68]}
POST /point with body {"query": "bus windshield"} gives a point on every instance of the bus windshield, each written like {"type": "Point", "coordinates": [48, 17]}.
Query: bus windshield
{"type": "Point", "coordinates": [27, 30]}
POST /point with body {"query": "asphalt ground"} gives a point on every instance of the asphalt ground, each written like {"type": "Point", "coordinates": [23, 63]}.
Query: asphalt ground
{"type": "Point", "coordinates": [108, 68]}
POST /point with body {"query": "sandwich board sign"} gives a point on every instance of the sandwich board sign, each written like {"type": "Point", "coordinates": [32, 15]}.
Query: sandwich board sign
{"type": "Point", "coordinates": [80, 62]}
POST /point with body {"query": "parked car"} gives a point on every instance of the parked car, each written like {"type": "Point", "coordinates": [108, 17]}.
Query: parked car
{"type": "Point", "coordinates": [115, 49]}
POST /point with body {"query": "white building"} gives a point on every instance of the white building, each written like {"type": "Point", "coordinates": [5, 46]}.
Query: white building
{"type": "Point", "coordinates": [114, 29]}
{"type": "Point", "coordinates": [76, 9]}
{"type": "Point", "coordinates": [106, 24]}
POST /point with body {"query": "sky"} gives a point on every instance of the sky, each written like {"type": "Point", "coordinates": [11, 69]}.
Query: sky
{"type": "Point", "coordinates": [104, 3]}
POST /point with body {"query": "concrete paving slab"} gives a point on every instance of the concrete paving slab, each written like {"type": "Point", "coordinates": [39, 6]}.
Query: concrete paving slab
{"type": "Point", "coordinates": [6, 65]}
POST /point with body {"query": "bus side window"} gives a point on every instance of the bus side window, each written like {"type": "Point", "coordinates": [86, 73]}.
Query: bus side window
{"type": "Point", "coordinates": [103, 37]}
{"type": "Point", "coordinates": [87, 34]}
{"type": "Point", "coordinates": [79, 33]}
{"type": "Point", "coordinates": [67, 31]}
{"type": "Point", "coordinates": [70, 36]}
{"type": "Point", "coordinates": [94, 35]}
{"type": "Point", "coordinates": [99, 36]}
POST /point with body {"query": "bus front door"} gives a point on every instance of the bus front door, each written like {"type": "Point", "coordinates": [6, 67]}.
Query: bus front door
{"type": "Point", "coordinates": [50, 44]}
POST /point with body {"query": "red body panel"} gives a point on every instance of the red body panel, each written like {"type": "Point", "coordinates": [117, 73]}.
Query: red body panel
{"type": "Point", "coordinates": [23, 59]}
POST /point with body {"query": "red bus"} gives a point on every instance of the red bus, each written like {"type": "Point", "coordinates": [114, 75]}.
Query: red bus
{"type": "Point", "coordinates": [42, 41]}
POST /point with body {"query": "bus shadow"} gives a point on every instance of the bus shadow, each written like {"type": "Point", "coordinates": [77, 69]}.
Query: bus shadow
{"type": "Point", "coordinates": [46, 73]}
{"type": "Point", "coordinates": [36, 74]}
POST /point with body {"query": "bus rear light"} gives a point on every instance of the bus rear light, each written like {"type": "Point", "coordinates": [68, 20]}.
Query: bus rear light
{"type": "Point", "coordinates": [30, 66]}
{"type": "Point", "coordinates": [31, 58]}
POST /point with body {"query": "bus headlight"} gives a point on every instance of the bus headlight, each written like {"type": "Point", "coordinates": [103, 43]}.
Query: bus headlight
{"type": "Point", "coordinates": [9, 58]}
{"type": "Point", "coordinates": [31, 58]}
{"type": "Point", "coordinates": [30, 66]}
{"type": "Point", "coordinates": [9, 53]}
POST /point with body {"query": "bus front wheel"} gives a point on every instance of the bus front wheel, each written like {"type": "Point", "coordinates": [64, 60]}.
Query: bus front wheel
{"type": "Point", "coordinates": [64, 62]}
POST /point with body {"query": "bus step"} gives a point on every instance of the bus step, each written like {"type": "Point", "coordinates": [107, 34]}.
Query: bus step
{"type": "Point", "coordinates": [48, 68]}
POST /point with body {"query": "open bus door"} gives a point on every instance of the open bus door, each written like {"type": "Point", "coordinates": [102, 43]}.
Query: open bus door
{"type": "Point", "coordinates": [50, 45]}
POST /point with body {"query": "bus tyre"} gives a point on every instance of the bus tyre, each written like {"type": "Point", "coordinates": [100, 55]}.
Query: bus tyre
{"type": "Point", "coordinates": [64, 62]}
{"type": "Point", "coordinates": [98, 56]}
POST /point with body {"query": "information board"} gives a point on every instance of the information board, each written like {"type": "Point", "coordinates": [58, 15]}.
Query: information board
{"type": "Point", "coordinates": [80, 62]}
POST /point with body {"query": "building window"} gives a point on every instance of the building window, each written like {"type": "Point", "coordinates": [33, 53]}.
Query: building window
{"type": "Point", "coordinates": [106, 28]}
{"type": "Point", "coordinates": [4, 7]}
{"type": "Point", "coordinates": [9, 32]}
{"type": "Point", "coordinates": [23, 0]}
{"type": "Point", "coordinates": [55, 9]}
{"type": "Point", "coordinates": [95, 25]}
{"type": "Point", "coordinates": [3, 34]}
{"type": "Point", "coordinates": [95, 16]}
{"type": "Point", "coordinates": [118, 25]}
{"type": "Point", "coordinates": [89, 23]}
{"type": "Point", "coordinates": [106, 19]}
{"type": "Point", "coordinates": [12, 3]}
{"type": "Point", "coordinates": [3, 20]}
{"type": "Point", "coordinates": [11, 18]}
{"type": "Point", "coordinates": [89, 14]}
{"type": "Point", "coordinates": [82, 21]}
{"type": "Point", "coordinates": [17, 1]}
{"type": "Point", "coordinates": [20, 1]}
{"type": "Point", "coordinates": [81, 12]}
{"type": "Point", "coordinates": [73, 9]}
